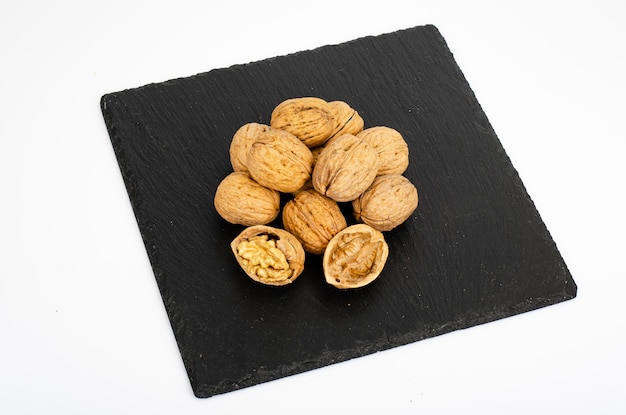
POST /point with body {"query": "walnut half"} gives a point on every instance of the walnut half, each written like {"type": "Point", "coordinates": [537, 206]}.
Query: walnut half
{"type": "Point", "coordinates": [269, 255]}
{"type": "Point", "coordinates": [355, 257]}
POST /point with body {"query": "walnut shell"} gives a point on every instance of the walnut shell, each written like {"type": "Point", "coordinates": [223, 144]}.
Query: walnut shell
{"type": "Point", "coordinates": [308, 118]}
{"type": "Point", "coordinates": [390, 146]}
{"type": "Point", "coordinates": [241, 200]}
{"type": "Point", "coordinates": [269, 255]}
{"type": "Point", "coordinates": [309, 183]}
{"type": "Point", "coordinates": [241, 142]}
{"type": "Point", "coordinates": [355, 257]}
{"type": "Point", "coordinates": [347, 119]}
{"type": "Point", "coordinates": [345, 168]}
{"type": "Point", "coordinates": [387, 203]}
{"type": "Point", "coordinates": [314, 219]}
{"type": "Point", "coordinates": [280, 161]}
{"type": "Point", "coordinates": [316, 153]}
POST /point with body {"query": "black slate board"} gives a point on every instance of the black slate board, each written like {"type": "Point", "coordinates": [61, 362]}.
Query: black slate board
{"type": "Point", "coordinates": [476, 249]}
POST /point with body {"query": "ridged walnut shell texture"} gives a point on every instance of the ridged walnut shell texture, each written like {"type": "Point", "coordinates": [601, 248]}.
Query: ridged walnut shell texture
{"type": "Point", "coordinates": [269, 255]}
{"type": "Point", "coordinates": [390, 146]}
{"type": "Point", "coordinates": [309, 183]}
{"type": "Point", "coordinates": [387, 203]}
{"type": "Point", "coordinates": [308, 118]}
{"type": "Point", "coordinates": [241, 200]}
{"type": "Point", "coordinates": [279, 160]}
{"type": "Point", "coordinates": [347, 119]}
{"type": "Point", "coordinates": [314, 219]}
{"type": "Point", "coordinates": [241, 143]}
{"type": "Point", "coordinates": [345, 168]}
{"type": "Point", "coordinates": [355, 257]}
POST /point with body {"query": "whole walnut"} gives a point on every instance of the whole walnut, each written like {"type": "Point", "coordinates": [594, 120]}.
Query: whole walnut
{"type": "Point", "coordinates": [241, 200]}
{"type": "Point", "coordinates": [314, 219]}
{"type": "Point", "coordinates": [308, 118]}
{"type": "Point", "coordinates": [279, 160]}
{"type": "Point", "coordinates": [345, 168]}
{"type": "Point", "coordinates": [347, 119]}
{"type": "Point", "coordinates": [241, 143]}
{"type": "Point", "coordinates": [390, 146]}
{"type": "Point", "coordinates": [387, 203]}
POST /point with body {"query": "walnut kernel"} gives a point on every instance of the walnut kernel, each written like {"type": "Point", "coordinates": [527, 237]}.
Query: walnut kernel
{"type": "Point", "coordinates": [269, 255]}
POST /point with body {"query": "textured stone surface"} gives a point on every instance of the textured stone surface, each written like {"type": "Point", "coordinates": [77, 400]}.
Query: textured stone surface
{"type": "Point", "coordinates": [474, 251]}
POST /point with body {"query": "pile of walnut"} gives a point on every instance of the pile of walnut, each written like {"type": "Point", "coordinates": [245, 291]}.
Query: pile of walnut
{"type": "Point", "coordinates": [318, 152]}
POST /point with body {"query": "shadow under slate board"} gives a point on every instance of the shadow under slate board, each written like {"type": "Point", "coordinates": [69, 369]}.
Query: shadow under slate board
{"type": "Point", "coordinates": [474, 251]}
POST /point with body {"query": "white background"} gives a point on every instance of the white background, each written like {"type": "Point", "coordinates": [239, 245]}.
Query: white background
{"type": "Point", "coordinates": [82, 325]}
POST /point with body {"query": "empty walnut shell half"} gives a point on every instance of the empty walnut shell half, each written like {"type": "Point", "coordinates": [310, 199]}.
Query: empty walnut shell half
{"type": "Point", "coordinates": [241, 200]}
{"type": "Point", "coordinates": [308, 118]}
{"type": "Point", "coordinates": [241, 143]}
{"type": "Point", "coordinates": [314, 219]}
{"type": "Point", "coordinates": [269, 255]}
{"type": "Point", "coordinates": [390, 146]}
{"type": "Point", "coordinates": [278, 160]}
{"type": "Point", "coordinates": [355, 257]}
{"type": "Point", "coordinates": [345, 168]}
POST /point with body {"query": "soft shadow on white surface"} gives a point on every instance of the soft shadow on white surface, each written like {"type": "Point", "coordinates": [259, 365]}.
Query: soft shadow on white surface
{"type": "Point", "coordinates": [84, 329]}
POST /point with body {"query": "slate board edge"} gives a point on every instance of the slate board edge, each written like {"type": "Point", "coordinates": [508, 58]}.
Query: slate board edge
{"type": "Point", "coordinates": [327, 359]}
{"type": "Point", "coordinates": [110, 95]}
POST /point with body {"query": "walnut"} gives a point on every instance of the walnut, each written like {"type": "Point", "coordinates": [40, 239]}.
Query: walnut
{"type": "Point", "coordinates": [316, 153]}
{"type": "Point", "coordinates": [355, 257]}
{"type": "Point", "coordinates": [308, 118]}
{"type": "Point", "coordinates": [345, 168]}
{"type": "Point", "coordinates": [390, 146]}
{"type": "Point", "coordinates": [320, 153]}
{"type": "Point", "coordinates": [387, 203]}
{"type": "Point", "coordinates": [309, 183]}
{"type": "Point", "coordinates": [314, 219]}
{"type": "Point", "coordinates": [280, 161]}
{"type": "Point", "coordinates": [347, 120]}
{"type": "Point", "coordinates": [241, 200]}
{"type": "Point", "coordinates": [269, 255]}
{"type": "Point", "coordinates": [241, 142]}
